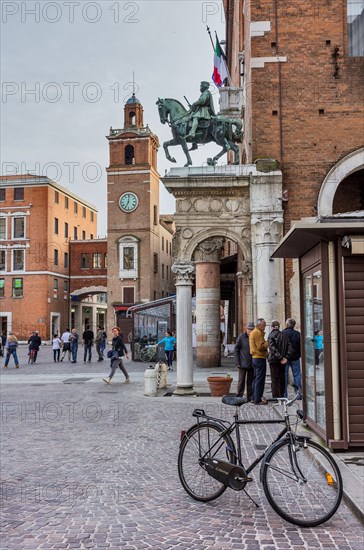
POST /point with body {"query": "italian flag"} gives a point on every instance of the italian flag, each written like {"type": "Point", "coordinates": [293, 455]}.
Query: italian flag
{"type": "Point", "coordinates": [220, 69]}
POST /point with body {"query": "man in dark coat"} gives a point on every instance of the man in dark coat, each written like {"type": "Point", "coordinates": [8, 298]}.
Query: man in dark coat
{"type": "Point", "coordinates": [34, 344]}
{"type": "Point", "coordinates": [294, 361]}
{"type": "Point", "coordinates": [243, 361]}
{"type": "Point", "coordinates": [279, 353]}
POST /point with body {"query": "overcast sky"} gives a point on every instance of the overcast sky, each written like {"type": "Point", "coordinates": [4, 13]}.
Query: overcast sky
{"type": "Point", "coordinates": [67, 70]}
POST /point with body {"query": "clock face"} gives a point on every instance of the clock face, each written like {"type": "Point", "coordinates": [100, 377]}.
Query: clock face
{"type": "Point", "coordinates": [128, 202]}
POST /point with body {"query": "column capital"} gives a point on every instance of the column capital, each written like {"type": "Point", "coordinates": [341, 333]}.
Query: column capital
{"type": "Point", "coordinates": [184, 272]}
{"type": "Point", "coordinates": [209, 250]}
{"type": "Point", "coordinates": [247, 271]}
{"type": "Point", "coordinates": [267, 227]}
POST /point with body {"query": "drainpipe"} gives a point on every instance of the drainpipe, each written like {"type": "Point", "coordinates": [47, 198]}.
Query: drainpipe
{"type": "Point", "coordinates": [334, 342]}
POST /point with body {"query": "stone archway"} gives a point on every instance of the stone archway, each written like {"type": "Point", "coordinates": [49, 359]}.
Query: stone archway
{"type": "Point", "coordinates": [351, 163]}
{"type": "Point", "coordinates": [238, 203]}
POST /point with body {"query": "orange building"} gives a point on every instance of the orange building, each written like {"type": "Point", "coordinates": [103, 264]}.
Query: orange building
{"type": "Point", "coordinates": [38, 218]}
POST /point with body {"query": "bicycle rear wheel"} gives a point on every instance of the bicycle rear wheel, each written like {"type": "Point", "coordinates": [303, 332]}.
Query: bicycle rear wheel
{"type": "Point", "coordinates": [302, 483]}
{"type": "Point", "coordinates": [146, 355]}
{"type": "Point", "coordinates": [203, 439]}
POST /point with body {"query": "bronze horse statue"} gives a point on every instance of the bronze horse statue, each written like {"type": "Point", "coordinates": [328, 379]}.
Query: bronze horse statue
{"type": "Point", "coordinates": [223, 131]}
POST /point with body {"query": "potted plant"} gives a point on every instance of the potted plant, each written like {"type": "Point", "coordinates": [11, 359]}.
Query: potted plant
{"type": "Point", "coordinates": [220, 385]}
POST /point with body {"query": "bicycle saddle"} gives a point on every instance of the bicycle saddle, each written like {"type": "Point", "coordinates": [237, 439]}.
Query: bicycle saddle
{"type": "Point", "coordinates": [236, 401]}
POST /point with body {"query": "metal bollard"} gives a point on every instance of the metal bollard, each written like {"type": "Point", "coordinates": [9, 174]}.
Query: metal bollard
{"type": "Point", "coordinates": [150, 382]}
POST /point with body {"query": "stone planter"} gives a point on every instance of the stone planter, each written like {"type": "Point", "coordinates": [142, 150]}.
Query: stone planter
{"type": "Point", "coordinates": [219, 385]}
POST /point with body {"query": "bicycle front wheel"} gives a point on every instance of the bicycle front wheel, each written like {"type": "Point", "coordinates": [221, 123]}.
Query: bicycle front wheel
{"type": "Point", "coordinates": [203, 440]}
{"type": "Point", "coordinates": [302, 482]}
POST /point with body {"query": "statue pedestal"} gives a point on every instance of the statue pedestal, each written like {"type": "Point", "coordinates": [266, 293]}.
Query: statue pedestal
{"type": "Point", "coordinates": [234, 203]}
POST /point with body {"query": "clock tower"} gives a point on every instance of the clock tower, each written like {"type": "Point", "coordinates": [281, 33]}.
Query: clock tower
{"type": "Point", "coordinates": [139, 241]}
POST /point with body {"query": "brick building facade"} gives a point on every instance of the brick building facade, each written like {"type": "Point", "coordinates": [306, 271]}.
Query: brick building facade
{"type": "Point", "coordinates": [299, 69]}
{"type": "Point", "coordinates": [139, 238]}
{"type": "Point", "coordinates": [38, 218]}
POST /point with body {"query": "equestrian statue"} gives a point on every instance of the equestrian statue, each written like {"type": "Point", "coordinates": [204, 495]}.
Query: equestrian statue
{"type": "Point", "coordinates": [199, 125]}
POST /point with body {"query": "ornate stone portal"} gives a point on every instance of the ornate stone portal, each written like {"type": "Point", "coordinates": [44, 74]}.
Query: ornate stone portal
{"type": "Point", "coordinates": [214, 205]}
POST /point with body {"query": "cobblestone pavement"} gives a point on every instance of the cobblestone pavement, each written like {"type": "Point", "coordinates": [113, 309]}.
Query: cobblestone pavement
{"type": "Point", "coordinates": [86, 465]}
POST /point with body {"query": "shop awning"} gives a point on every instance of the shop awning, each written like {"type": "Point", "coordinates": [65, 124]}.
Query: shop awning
{"type": "Point", "coordinates": [304, 236]}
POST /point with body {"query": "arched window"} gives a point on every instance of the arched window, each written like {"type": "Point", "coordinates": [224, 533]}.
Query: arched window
{"type": "Point", "coordinates": [128, 258]}
{"type": "Point", "coordinates": [129, 155]}
{"type": "Point", "coordinates": [132, 118]}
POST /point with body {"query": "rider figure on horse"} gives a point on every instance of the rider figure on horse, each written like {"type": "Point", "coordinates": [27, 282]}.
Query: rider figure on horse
{"type": "Point", "coordinates": [202, 108]}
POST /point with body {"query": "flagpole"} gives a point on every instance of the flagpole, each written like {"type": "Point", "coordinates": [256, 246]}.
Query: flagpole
{"type": "Point", "coordinates": [212, 43]}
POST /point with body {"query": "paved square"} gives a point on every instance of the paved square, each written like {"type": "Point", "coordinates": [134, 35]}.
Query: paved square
{"type": "Point", "coordinates": [86, 465]}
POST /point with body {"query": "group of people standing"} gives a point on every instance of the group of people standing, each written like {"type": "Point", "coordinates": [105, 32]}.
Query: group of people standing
{"type": "Point", "coordinates": [68, 344]}
{"type": "Point", "coordinates": [282, 350]}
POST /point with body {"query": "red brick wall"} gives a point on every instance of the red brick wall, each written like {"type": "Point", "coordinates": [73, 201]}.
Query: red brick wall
{"type": "Point", "coordinates": [297, 111]}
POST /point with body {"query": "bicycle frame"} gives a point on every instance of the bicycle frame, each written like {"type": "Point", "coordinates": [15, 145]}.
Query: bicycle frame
{"type": "Point", "coordinates": [230, 428]}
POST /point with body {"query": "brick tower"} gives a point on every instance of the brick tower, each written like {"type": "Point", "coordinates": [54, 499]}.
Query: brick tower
{"type": "Point", "coordinates": [139, 243]}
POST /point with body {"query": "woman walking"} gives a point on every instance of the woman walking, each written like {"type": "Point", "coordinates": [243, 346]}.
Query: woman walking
{"type": "Point", "coordinates": [117, 353]}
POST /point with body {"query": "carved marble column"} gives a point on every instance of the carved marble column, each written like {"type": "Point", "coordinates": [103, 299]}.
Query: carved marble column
{"type": "Point", "coordinates": [207, 260]}
{"type": "Point", "coordinates": [266, 231]}
{"type": "Point", "coordinates": [184, 280]}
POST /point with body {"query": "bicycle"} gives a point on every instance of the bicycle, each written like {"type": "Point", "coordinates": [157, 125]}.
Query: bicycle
{"type": "Point", "coordinates": [301, 480]}
{"type": "Point", "coordinates": [32, 356]}
{"type": "Point", "coordinates": [148, 353]}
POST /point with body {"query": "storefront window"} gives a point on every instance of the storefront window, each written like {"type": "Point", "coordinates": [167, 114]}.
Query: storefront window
{"type": "Point", "coordinates": [314, 347]}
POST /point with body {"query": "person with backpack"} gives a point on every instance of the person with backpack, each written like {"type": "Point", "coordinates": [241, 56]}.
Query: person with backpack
{"type": "Point", "coordinates": [279, 353]}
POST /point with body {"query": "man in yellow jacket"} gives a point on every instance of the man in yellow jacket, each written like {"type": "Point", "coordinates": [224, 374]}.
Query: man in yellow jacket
{"type": "Point", "coordinates": [258, 349]}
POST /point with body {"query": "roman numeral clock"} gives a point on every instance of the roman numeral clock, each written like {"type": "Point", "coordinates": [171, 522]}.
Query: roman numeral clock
{"type": "Point", "coordinates": [128, 202]}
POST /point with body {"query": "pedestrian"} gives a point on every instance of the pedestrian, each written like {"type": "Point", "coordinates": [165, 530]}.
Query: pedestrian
{"type": "Point", "coordinates": [56, 347]}
{"type": "Point", "coordinates": [74, 345]}
{"type": "Point", "coordinates": [98, 342]}
{"type": "Point", "coordinates": [130, 341]}
{"type": "Point", "coordinates": [11, 346]}
{"type": "Point", "coordinates": [294, 361]}
{"type": "Point", "coordinates": [2, 344]}
{"type": "Point", "coordinates": [34, 344]}
{"type": "Point", "coordinates": [319, 347]}
{"type": "Point", "coordinates": [87, 342]}
{"type": "Point", "coordinates": [169, 342]}
{"type": "Point", "coordinates": [117, 352]}
{"type": "Point", "coordinates": [103, 342]}
{"type": "Point", "coordinates": [144, 341]}
{"type": "Point", "coordinates": [258, 349]}
{"type": "Point", "coordinates": [66, 344]}
{"type": "Point", "coordinates": [244, 363]}
{"type": "Point", "coordinates": [279, 353]}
